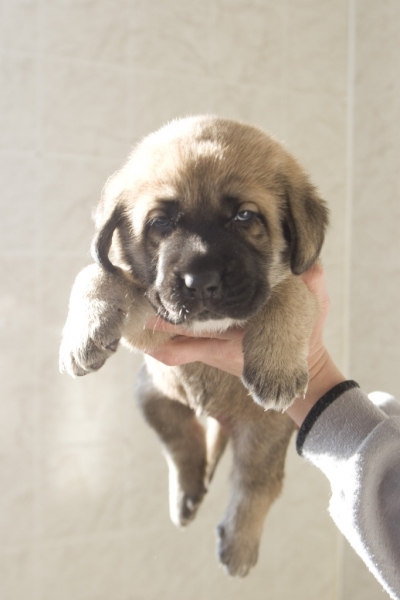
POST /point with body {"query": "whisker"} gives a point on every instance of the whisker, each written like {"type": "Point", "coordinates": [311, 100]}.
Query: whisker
{"type": "Point", "coordinates": [157, 321]}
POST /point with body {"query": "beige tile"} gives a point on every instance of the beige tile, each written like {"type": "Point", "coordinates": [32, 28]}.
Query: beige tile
{"type": "Point", "coordinates": [71, 191]}
{"type": "Point", "coordinates": [95, 31]}
{"type": "Point", "coordinates": [235, 5]}
{"type": "Point", "coordinates": [17, 497]}
{"type": "Point", "coordinates": [316, 134]}
{"type": "Point", "coordinates": [377, 89]}
{"type": "Point", "coordinates": [177, 559]}
{"type": "Point", "coordinates": [17, 408]}
{"type": "Point", "coordinates": [18, 296]}
{"type": "Point", "coordinates": [82, 490]}
{"type": "Point", "coordinates": [377, 48]}
{"type": "Point", "coordinates": [375, 298]}
{"type": "Point", "coordinates": [157, 98]}
{"type": "Point", "coordinates": [316, 50]}
{"type": "Point", "coordinates": [147, 511]}
{"type": "Point", "coordinates": [85, 109]}
{"type": "Point", "coordinates": [19, 222]}
{"type": "Point", "coordinates": [18, 102]}
{"type": "Point", "coordinates": [258, 105]}
{"type": "Point", "coordinates": [376, 182]}
{"type": "Point", "coordinates": [18, 398]}
{"type": "Point", "coordinates": [376, 207]}
{"type": "Point", "coordinates": [376, 217]}
{"type": "Point", "coordinates": [303, 534]}
{"type": "Point", "coordinates": [358, 583]}
{"type": "Point", "coordinates": [247, 43]}
{"type": "Point", "coordinates": [89, 409]}
{"type": "Point", "coordinates": [376, 213]}
{"type": "Point", "coordinates": [57, 275]}
{"type": "Point", "coordinates": [18, 360]}
{"type": "Point", "coordinates": [335, 195]}
{"type": "Point", "coordinates": [170, 37]}
{"type": "Point", "coordinates": [17, 574]}
{"type": "Point", "coordinates": [92, 570]}
{"type": "Point", "coordinates": [19, 25]}
{"type": "Point", "coordinates": [335, 326]}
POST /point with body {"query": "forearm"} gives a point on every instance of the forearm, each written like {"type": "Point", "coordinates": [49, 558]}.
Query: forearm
{"type": "Point", "coordinates": [356, 445]}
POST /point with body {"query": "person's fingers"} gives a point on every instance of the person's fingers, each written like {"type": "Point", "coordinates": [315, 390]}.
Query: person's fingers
{"type": "Point", "coordinates": [158, 324]}
{"type": "Point", "coordinates": [221, 354]}
{"type": "Point", "coordinates": [178, 351]}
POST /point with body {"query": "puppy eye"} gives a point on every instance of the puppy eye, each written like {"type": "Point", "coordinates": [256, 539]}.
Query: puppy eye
{"type": "Point", "coordinates": [161, 222]}
{"type": "Point", "coordinates": [244, 215]}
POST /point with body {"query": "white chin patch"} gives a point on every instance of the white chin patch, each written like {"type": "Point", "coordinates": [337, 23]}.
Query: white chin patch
{"type": "Point", "coordinates": [215, 325]}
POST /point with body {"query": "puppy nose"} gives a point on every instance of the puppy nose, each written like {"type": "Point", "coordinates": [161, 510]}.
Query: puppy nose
{"type": "Point", "coordinates": [203, 284]}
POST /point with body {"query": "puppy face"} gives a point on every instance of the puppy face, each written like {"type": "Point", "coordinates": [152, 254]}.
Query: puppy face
{"type": "Point", "coordinates": [207, 266]}
{"type": "Point", "coordinates": [210, 215]}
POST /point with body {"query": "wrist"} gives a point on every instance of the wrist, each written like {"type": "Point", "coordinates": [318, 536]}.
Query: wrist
{"type": "Point", "coordinates": [323, 376]}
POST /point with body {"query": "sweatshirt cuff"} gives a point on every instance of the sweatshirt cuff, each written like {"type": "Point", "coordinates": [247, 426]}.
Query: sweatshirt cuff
{"type": "Point", "coordinates": [319, 407]}
{"type": "Point", "coordinates": [341, 422]}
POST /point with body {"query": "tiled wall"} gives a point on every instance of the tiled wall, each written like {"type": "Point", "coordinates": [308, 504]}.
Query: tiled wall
{"type": "Point", "coordinates": [374, 348]}
{"type": "Point", "coordinates": [83, 486]}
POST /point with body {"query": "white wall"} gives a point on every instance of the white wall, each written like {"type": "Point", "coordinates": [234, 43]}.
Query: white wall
{"type": "Point", "coordinates": [83, 486]}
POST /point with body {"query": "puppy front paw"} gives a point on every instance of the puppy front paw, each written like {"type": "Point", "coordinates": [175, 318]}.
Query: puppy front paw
{"type": "Point", "coordinates": [236, 553]}
{"type": "Point", "coordinates": [87, 343]}
{"type": "Point", "coordinates": [276, 388]}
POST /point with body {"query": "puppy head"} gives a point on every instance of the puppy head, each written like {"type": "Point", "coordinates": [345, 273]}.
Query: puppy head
{"type": "Point", "coordinates": [210, 215]}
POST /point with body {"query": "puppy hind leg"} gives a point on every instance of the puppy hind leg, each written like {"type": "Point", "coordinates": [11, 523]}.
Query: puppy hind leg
{"type": "Point", "coordinates": [184, 446]}
{"type": "Point", "coordinates": [257, 478]}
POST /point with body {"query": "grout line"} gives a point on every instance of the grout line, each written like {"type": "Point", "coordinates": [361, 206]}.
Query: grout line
{"type": "Point", "coordinates": [351, 59]}
{"type": "Point", "coordinates": [284, 75]}
{"type": "Point", "coordinates": [130, 126]}
{"type": "Point", "coordinates": [132, 68]}
{"type": "Point", "coordinates": [72, 156]}
{"type": "Point", "coordinates": [37, 574]}
{"type": "Point", "coordinates": [350, 174]}
{"type": "Point", "coordinates": [210, 85]}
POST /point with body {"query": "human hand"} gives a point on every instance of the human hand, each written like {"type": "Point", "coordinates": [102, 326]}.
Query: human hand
{"type": "Point", "coordinates": [322, 371]}
{"type": "Point", "coordinates": [224, 350]}
{"type": "Point", "coordinates": [220, 350]}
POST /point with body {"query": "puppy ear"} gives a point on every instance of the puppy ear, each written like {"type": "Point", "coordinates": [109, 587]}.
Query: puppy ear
{"type": "Point", "coordinates": [102, 241]}
{"type": "Point", "coordinates": [305, 224]}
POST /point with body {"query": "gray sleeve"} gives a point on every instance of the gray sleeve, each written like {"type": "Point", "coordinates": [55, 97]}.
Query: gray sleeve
{"type": "Point", "coordinates": [357, 446]}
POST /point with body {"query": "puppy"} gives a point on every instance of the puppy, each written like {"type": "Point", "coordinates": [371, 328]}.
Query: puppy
{"type": "Point", "coordinates": [208, 225]}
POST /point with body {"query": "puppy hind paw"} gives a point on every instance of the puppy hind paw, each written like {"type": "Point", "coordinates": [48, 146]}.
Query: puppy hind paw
{"type": "Point", "coordinates": [184, 508]}
{"type": "Point", "coordinates": [236, 555]}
